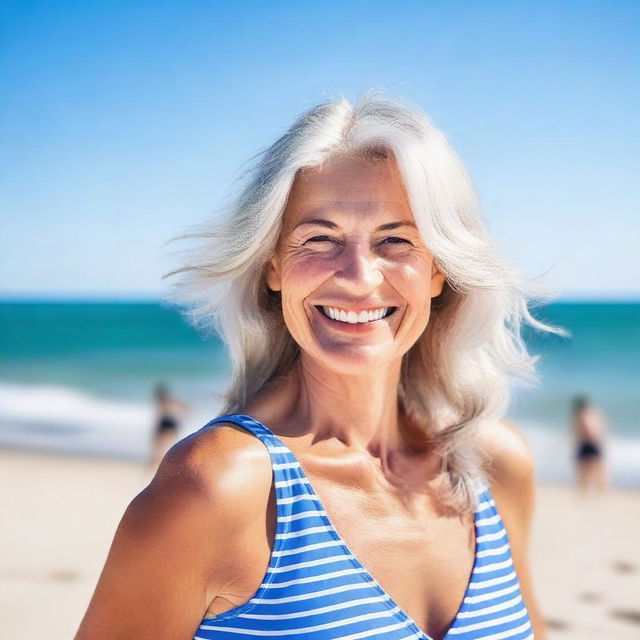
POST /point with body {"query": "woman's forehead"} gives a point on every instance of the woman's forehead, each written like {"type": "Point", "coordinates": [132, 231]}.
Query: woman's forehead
{"type": "Point", "coordinates": [348, 178]}
{"type": "Point", "coordinates": [348, 187]}
{"type": "Point", "coordinates": [336, 211]}
{"type": "Point", "coordinates": [379, 215]}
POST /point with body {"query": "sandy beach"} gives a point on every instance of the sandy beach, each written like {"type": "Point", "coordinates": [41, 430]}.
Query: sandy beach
{"type": "Point", "coordinates": [59, 514]}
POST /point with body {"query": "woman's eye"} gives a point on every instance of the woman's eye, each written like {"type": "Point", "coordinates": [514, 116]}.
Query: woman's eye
{"type": "Point", "coordinates": [321, 239]}
{"type": "Point", "coordinates": [394, 240]}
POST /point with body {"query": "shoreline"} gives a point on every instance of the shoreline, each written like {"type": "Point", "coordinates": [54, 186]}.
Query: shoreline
{"type": "Point", "coordinates": [61, 512]}
{"type": "Point", "coordinates": [83, 424]}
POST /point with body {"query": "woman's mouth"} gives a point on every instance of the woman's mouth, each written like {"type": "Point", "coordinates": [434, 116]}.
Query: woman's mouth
{"type": "Point", "coordinates": [353, 317]}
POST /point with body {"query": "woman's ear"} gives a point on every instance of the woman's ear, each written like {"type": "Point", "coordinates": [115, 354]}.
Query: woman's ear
{"type": "Point", "coordinates": [437, 280]}
{"type": "Point", "coordinates": [272, 274]}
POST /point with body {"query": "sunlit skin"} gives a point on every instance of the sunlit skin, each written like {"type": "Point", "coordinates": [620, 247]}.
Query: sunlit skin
{"type": "Point", "coordinates": [349, 240]}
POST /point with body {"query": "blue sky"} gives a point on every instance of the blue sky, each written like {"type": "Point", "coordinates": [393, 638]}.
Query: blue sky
{"type": "Point", "coordinates": [122, 123]}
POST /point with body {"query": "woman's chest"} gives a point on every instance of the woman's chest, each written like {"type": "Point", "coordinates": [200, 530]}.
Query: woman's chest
{"type": "Point", "coordinates": [421, 559]}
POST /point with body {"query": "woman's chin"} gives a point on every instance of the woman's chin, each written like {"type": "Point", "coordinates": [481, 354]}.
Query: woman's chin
{"type": "Point", "coordinates": [351, 359]}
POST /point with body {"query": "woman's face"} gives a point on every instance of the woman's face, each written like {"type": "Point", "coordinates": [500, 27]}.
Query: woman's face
{"type": "Point", "coordinates": [355, 277]}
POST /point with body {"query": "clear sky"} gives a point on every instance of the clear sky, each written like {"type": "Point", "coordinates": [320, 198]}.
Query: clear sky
{"type": "Point", "coordinates": [124, 122]}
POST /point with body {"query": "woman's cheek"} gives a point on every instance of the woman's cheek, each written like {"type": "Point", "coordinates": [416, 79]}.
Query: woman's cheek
{"type": "Point", "coordinates": [409, 273]}
{"type": "Point", "coordinates": [305, 269]}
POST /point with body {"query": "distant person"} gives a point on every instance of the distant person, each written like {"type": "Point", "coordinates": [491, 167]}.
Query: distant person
{"type": "Point", "coordinates": [589, 430]}
{"type": "Point", "coordinates": [170, 410]}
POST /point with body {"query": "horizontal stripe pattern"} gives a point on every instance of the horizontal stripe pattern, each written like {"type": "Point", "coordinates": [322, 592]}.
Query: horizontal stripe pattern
{"type": "Point", "coordinates": [316, 589]}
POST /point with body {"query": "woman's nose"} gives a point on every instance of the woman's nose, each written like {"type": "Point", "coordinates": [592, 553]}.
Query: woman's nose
{"type": "Point", "coordinates": [358, 269]}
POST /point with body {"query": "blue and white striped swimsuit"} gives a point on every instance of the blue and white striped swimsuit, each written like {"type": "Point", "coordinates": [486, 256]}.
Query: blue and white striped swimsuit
{"type": "Point", "coordinates": [315, 589]}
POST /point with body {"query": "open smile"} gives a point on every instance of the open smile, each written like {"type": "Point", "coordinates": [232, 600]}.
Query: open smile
{"type": "Point", "coordinates": [338, 316]}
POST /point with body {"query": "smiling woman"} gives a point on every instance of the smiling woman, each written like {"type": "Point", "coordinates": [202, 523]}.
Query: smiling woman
{"type": "Point", "coordinates": [375, 330]}
{"type": "Point", "coordinates": [354, 269]}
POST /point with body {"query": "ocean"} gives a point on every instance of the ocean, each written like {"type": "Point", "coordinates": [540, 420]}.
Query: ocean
{"type": "Point", "coordinates": [77, 377]}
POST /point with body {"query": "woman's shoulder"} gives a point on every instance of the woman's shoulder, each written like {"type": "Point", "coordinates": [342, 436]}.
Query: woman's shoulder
{"type": "Point", "coordinates": [210, 489]}
{"type": "Point", "coordinates": [217, 464]}
{"type": "Point", "coordinates": [183, 539]}
{"type": "Point", "coordinates": [511, 473]}
{"type": "Point", "coordinates": [509, 453]}
{"type": "Point", "coordinates": [511, 462]}
{"type": "Point", "coordinates": [209, 485]}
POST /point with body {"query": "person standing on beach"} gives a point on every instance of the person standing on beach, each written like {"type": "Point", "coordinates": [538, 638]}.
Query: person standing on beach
{"type": "Point", "coordinates": [169, 412]}
{"type": "Point", "coordinates": [360, 481]}
{"type": "Point", "coordinates": [589, 430]}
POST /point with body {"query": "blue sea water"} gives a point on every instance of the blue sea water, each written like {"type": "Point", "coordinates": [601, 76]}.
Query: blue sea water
{"type": "Point", "coordinates": [77, 377]}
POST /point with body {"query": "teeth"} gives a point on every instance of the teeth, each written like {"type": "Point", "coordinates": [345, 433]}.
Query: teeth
{"type": "Point", "coordinates": [354, 318]}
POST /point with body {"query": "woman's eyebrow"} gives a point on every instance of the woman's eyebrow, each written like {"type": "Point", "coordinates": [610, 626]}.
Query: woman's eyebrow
{"type": "Point", "coordinates": [332, 225]}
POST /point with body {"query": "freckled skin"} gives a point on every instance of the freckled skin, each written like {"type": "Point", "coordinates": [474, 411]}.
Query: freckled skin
{"type": "Point", "coordinates": [353, 263]}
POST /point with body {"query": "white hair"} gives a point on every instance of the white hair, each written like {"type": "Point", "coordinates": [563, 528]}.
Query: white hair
{"type": "Point", "coordinates": [458, 372]}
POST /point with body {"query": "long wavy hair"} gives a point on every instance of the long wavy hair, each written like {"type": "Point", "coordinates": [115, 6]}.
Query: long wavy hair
{"type": "Point", "coordinates": [459, 371]}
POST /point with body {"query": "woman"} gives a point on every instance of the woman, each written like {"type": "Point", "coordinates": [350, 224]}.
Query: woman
{"type": "Point", "coordinates": [372, 329]}
{"type": "Point", "coordinates": [589, 432]}
{"type": "Point", "coordinates": [169, 411]}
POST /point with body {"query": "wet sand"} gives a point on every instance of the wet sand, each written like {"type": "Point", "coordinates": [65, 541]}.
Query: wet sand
{"type": "Point", "coordinates": [59, 514]}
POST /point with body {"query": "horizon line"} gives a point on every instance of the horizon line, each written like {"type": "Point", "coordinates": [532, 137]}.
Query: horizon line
{"type": "Point", "coordinates": [630, 298]}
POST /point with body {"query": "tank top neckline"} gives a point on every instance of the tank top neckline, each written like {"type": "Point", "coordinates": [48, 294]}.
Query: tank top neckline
{"type": "Point", "coordinates": [423, 635]}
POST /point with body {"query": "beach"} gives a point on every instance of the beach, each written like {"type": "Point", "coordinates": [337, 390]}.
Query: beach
{"type": "Point", "coordinates": [59, 514]}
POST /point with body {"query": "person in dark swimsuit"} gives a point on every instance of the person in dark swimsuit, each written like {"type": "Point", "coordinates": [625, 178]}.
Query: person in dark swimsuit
{"type": "Point", "coordinates": [589, 433]}
{"type": "Point", "coordinates": [169, 411]}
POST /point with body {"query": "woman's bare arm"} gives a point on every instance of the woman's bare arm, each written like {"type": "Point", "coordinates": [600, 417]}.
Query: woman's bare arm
{"type": "Point", "coordinates": [513, 490]}
{"type": "Point", "coordinates": [173, 550]}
